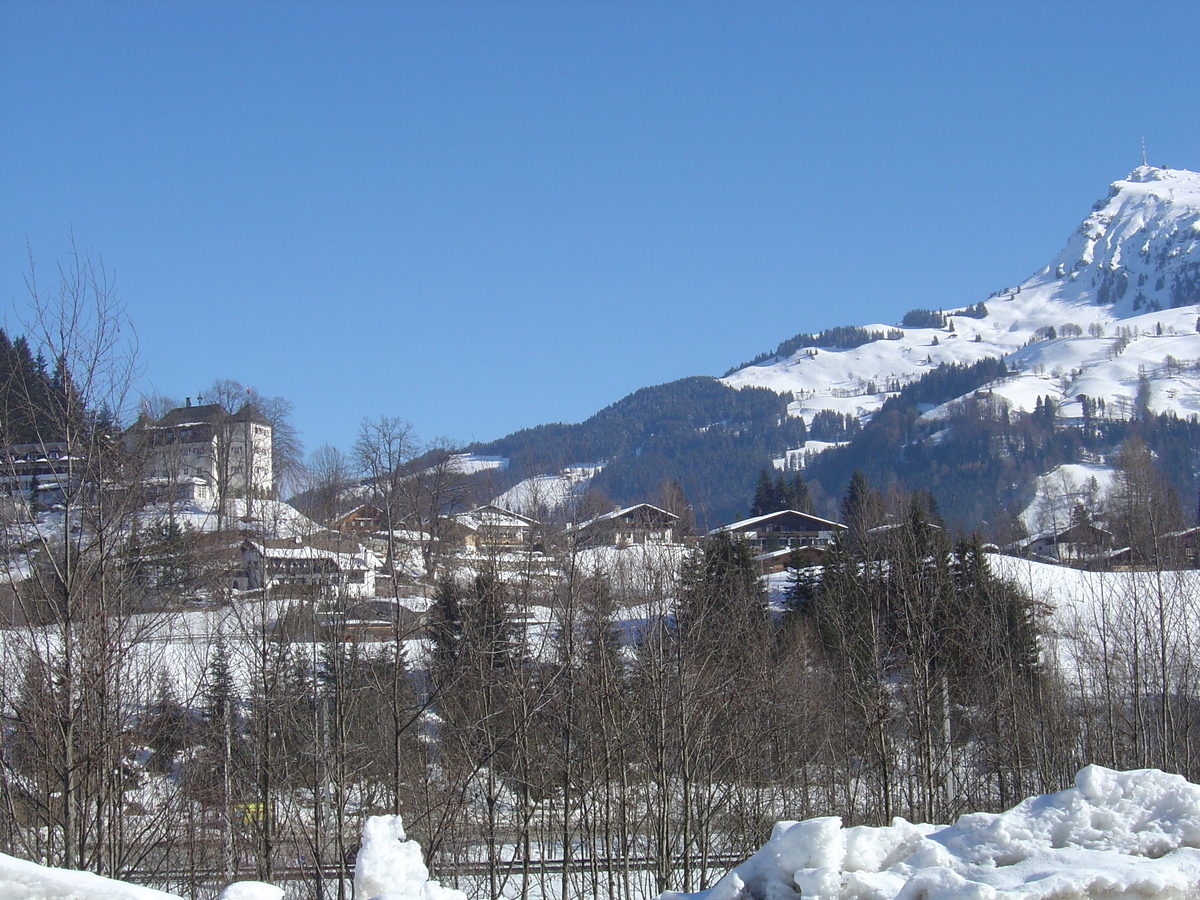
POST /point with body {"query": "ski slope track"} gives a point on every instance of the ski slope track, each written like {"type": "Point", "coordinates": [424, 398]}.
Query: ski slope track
{"type": "Point", "coordinates": [1126, 287]}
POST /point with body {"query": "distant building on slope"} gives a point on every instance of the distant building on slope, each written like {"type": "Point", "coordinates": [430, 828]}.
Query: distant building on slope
{"type": "Point", "coordinates": [1082, 542]}
{"type": "Point", "coordinates": [37, 473]}
{"type": "Point", "coordinates": [365, 518]}
{"type": "Point", "coordinates": [321, 561]}
{"type": "Point", "coordinates": [639, 524]}
{"type": "Point", "coordinates": [492, 528]}
{"type": "Point", "coordinates": [786, 528]}
{"type": "Point", "coordinates": [206, 454]}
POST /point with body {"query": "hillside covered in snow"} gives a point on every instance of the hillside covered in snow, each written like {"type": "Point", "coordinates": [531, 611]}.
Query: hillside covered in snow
{"type": "Point", "coordinates": [1119, 303]}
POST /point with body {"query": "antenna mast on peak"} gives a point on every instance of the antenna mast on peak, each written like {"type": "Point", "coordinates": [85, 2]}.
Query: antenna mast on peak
{"type": "Point", "coordinates": [1143, 150]}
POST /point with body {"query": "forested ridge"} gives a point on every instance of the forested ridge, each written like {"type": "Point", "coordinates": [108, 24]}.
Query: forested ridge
{"type": "Point", "coordinates": [710, 437]}
{"type": "Point", "coordinates": [981, 461]}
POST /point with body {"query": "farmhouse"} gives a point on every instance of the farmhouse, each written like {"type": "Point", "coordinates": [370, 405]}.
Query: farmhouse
{"type": "Point", "coordinates": [366, 518]}
{"type": "Point", "coordinates": [325, 562]}
{"type": "Point", "coordinates": [492, 528]}
{"type": "Point", "coordinates": [1082, 542]}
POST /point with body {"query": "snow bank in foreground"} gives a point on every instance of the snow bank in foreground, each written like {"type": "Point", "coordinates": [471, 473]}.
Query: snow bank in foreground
{"type": "Point", "coordinates": [391, 866]}
{"type": "Point", "coordinates": [1114, 835]}
{"type": "Point", "coordinates": [21, 880]}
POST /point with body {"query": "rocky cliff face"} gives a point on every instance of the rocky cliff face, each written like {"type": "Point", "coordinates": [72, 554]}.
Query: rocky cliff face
{"type": "Point", "coordinates": [1139, 250]}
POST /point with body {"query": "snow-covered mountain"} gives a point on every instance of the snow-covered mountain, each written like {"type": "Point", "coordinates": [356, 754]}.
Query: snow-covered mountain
{"type": "Point", "coordinates": [1108, 329]}
{"type": "Point", "coordinates": [1117, 306]}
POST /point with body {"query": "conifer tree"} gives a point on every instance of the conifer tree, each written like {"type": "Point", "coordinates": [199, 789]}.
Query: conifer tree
{"type": "Point", "coordinates": [796, 493]}
{"type": "Point", "coordinates": [767, 498]}
{"type": "Point", "coordinates": [166, 726]}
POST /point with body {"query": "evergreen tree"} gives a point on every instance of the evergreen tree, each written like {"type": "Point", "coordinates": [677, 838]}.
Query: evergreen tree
{"type": "Point", "coordinates": [671, 497]}
{"type": "Point", "coordinates": [796, 494]}
{"type": "Point", "coordinates": [218, 695]}
{"type": "Point", "coordinates": [722, 595]}
{"type": "Point", "coordinates": [476, 661]}
{"type": "Point", "coordinates": [861, 510]}
{"type": "Point", "coordinates": [166, 727]}
{"type": "Point", "coordinates": [446, 630]}
{"type": "Point", "coordinates": [767, 496]}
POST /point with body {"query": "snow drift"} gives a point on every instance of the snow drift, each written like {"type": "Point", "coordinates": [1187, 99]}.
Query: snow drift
{"type": "Point", "coordinates": [1114, 835]}
{"type": "Point", "coordinates": [21, 880]}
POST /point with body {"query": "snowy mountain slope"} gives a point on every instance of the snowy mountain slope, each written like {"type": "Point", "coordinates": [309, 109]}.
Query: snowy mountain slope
{"type": "Point", "coordinates": [533, 496]}
{"type": "Point", "coordinates": [1117, 305]}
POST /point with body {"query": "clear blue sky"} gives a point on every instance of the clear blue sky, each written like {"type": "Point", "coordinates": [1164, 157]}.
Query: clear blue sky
{"type": "Point", "coordinates": [483, 216]}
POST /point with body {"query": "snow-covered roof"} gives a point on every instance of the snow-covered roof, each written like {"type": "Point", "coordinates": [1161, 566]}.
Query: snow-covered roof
{"type": "Point", "coordinates": [621, 513]}
{"type": "Point", "coordinates": [491, 516]}
{"type": "Point", "coordinates": [357, 558]}
{"type": "Point", "coordinates": [749, 524]}
{"type": "Point", "coordinates": [209, 414]}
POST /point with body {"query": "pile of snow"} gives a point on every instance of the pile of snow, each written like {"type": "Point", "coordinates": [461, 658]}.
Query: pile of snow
{"type": "Point", "coordinates": [1113, 835]}
{"type": "Point", "coordinates": [388, 867]}
{"type": "Point", "coordinates": [251, 890]}
{"type": "Point", "coordinates": [21, 880]}
{"type": "Point", "coordinates": [391, 867]}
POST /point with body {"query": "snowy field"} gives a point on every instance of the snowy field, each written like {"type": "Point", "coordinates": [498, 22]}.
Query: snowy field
{"type": "Point", "coordinates": [1083, 606]}
{"type": "Point", "coordinates": [1112, 836]}
{"type": "Point", "coordinates": [1058, 492]}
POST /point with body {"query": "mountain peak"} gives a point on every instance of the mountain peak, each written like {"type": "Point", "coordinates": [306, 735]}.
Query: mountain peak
{"type": "Point", "coordinates": [1131, 269]}
{"type": "Point", "coordinates": [1139, 248]}
{"type": "Point", "coordinates": [1143, 174]}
